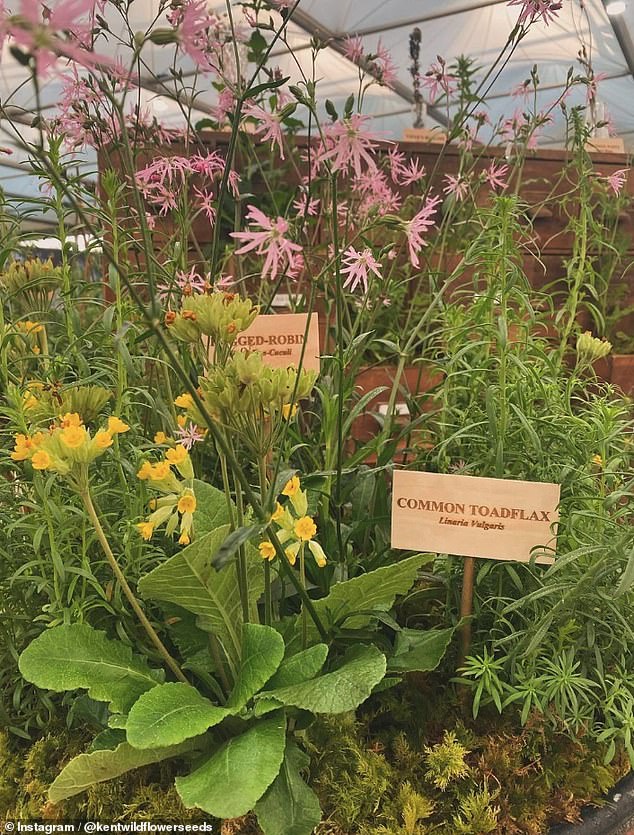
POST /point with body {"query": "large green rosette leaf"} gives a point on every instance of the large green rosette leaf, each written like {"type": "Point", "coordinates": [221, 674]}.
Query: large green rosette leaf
{"type": "Point", "coordinates": [169, 714]}
{"type": "Point", "coordinates": [302, 666]}
{"type": "Point", "coordinates": [212, 511]}
{"type": "Point", "coordinates": [289, 806]}
{"type": "Point", "coordinates": [339, 691]}
{"type": "Point", "coordinates": [190, 580]}
{"type": "Point", "coordinates": [262, 652]}
{"type": "Point", "coordinates": [419, 651]}
{"type": "Point", "coordinates": [105, 764]}
{"type": "Point", "coordinates": [233, 779]}
{"type": "Point", "coordinates": [374, 591]}
{"type": "Point", "coordinates": [79, 657]}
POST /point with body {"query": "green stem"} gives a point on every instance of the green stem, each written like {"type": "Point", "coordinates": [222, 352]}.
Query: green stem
{"type": "Point", "coordinates": [243, 576]}
{"type": "Point", "coordinates": [268, 598]}
{"type": "Point", "coordinates": [118, 573]}
{"type": "Point", "coordinates": [302, 580]}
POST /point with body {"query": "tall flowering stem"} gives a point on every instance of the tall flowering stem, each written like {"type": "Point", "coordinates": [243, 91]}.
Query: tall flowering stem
{"type": "Point", "coordinates": [340, 371]}
{"type": "Point", "coordinates": [86, 498]}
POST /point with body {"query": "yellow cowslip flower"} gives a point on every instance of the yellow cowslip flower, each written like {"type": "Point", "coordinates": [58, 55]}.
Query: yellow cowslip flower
{"type": "Point", "coordinates": [181, 420]}
{"type": "Point", "coordinates": [267, 550]}
{"type": "Point", "coordinates": [36, 350]}
{"type": "Point", "coordinates": [277, 513]}
{"type": "Point", "coordinates": [305, 529]}
{"type": "Point", "coordinates": [177, 455]}
{"type": "Point", "coordinates": [187, 503]}
{"type": "Point", "coordinates": [291, 487]}
{"type": "Point", "coordinates": [70, 419]}
{"type": "Point", "coordinates": [116, 426]}
{"type": "Point", "coordinates": [41, 460]}
{"type": "Point", "coordinates": [289, 410]}
{"type": "Point", "coordinates": [160, 471]}
{"type": "Point", "coordinates": [28, 327]}
{"type": "Point", "coordinates": [103, 439]}
{"type": "Point", "coordinates": [145, 472]}
{"type": "Point", "coordinates": [184, 539]}
{"type": "Point", "coordinates": [291, 553]}
{"type": "Point", "coordinates": [318, 553]}
{"type": "Point", "coordinates": [146, 529]}
{"type": "Point", "coordinates": [160, 438]}
{"type": "Point", "coordinates": [23, 447]}
{"type": "Point", "coordinates": [74, 437]}
{"type": "Point", "coordinates": [29, 400]}
{"type": "Point", "coordinates": [184, 401]}
{"type": "Point", "coordinates": [597, 460]}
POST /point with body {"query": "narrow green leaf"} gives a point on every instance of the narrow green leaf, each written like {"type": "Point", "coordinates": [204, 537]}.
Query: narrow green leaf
{"type": "Point", "coordinates": [627, 578]}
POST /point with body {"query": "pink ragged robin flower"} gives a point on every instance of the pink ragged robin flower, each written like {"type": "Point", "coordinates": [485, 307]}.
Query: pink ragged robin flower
{"type": "Point", "coordinates": [617, 180]}
{"type": "Point", "coordinates": [438, 81]}
{"type": "Point", "coordinates": [62, 30]}
{"type": "Point", "coordinates": [357, 267]}
{"type": "Point", "coordinates": [349, 145]}
{"type": "Point", "coordinates": [269, 240]}
{"type": "Point", "coordinates": [305, 205]}
{"type": "Point", "coordinates": [189, 435]}
{"type": "Point", "coordinates": [269, 125]}
{"type": "Point", "coordinates": [534, 10]}
{"type": "Point", "coordinates": [417, 226]}
{"type": "Point", "coordinates": [457, 186]}
{"type": "Point", "coordinates": [495, 176]}
{"type": "Point", "coordinates": [353, 48]}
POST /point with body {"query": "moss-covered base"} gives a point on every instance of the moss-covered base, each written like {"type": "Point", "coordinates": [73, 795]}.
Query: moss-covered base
{"type": "Point", "coordinates": [405, 766]}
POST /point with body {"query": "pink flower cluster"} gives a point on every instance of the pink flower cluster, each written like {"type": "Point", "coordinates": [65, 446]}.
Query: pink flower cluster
{"type": "Point", "coordinates": [415, 228]}
{"type": "Point", "coordinates": [163, 181]}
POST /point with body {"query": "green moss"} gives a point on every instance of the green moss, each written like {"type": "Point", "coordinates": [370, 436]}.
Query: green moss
{"type": "Point", "coordinates": [144, 794]}
{"type": "Point", "coordinates": [417, 769]}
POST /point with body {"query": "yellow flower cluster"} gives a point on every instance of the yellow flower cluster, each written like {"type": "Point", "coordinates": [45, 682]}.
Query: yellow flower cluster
{"type": "Point", "coordinates": [295, 526]}
{"type": "Point", "coordinates": [175, 507]}
{"type": "Point", "coordinates": [67, 443]}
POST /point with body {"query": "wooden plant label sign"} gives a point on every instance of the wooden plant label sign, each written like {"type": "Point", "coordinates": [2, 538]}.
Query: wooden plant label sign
{"type": "Point", "coordinates": [495, 518]}
{"type": "Point", "coordinates": [606, 145]}
{"type": "Point", "coordinates": [424, 135]}
{"type": "Point", "coordinates": [280, 339]}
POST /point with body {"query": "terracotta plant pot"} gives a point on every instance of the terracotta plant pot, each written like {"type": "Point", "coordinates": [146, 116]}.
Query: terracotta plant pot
{"type": "Point", "coordinates": [622, 372]}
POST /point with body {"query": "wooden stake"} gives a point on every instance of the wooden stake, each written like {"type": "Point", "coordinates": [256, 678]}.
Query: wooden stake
{"type": "Point", "coordinates": [466, 608]}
